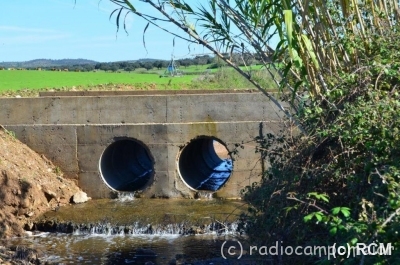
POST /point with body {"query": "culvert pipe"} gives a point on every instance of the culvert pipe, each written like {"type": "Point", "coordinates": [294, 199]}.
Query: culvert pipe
{"type": "Point", "coordinates": [126, 165]}
{"type": "Point", "coordinates": [201, 168]}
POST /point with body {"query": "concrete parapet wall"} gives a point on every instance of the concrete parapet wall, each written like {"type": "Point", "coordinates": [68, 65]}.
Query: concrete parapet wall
{"type": "Point", "coordinates": [74, 132]}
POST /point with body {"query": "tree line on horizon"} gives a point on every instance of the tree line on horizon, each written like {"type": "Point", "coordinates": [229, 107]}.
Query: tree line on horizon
{"type": "Point", "coordinates": [82, 65]}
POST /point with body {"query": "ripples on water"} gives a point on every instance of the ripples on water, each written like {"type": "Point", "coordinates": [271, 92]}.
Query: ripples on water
{"type": "Point", "coordinates": [99, 237]}
{"type": "Point", "coordinates": [123, 249]}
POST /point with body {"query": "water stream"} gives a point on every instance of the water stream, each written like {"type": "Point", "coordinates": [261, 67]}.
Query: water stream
{"type": "Point", "coordinates": [125, 249]}
{"type": "Point", "coordinates": [137, 231]}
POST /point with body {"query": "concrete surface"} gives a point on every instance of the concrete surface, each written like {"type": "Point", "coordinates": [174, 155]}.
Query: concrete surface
{"type": "Point", "coordinates": [74, 131]}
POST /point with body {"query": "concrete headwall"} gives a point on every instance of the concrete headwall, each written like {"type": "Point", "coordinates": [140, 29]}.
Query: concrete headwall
{"type": "Point", "coordinates": [74, 131]}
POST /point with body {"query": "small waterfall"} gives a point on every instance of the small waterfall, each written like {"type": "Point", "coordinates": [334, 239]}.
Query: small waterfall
{"type": "Point", "coordinates": [204, 194]}
{"type": "Point", "coordinates": [126, 196]}
{"type": "Point", "coordinates": [117, 231]}
{"type": "Point", "coordinates": [137, 228]}
{"type": "Point", "coordinates": [129, 215]}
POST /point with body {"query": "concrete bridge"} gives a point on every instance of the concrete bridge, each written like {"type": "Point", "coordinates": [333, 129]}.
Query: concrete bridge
{"type": "Point", "coordinates": [154, 143]}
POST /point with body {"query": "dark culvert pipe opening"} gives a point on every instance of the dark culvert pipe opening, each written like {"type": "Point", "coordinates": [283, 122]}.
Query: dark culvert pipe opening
{"type": "Point", "coordinates": [205, 164]}
{"type": "Point", "coordinates": [126, 165]}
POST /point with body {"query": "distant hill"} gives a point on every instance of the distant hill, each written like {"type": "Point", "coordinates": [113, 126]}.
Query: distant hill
{"type": "Point", "coordinates": [147, 60]}
{"type": "Point", "coordinates": [142, 60]}
{"type": "Point", "coordinates": [47, 63]}
{"type": "Point", "coordinates": [62, 62]}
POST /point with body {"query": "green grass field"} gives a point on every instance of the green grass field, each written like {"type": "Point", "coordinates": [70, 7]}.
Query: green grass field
{"type": "Point", "coordinates": [201, 69]}
{"type": "Point", "coordinates": [16, 80]}
{"type": "Point", "coordinates": [30, 82]}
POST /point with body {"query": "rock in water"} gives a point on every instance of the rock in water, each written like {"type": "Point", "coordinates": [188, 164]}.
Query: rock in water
{"type": "Point", "coordinates": [80, 197]}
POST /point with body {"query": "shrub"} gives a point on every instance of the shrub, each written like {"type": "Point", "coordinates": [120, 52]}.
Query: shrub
{"type": "Point", "coordinates": [340, 183]}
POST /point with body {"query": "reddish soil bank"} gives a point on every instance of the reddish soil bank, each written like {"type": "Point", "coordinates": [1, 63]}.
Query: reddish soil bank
{"type": "Point", "coordinates": [29, 186]}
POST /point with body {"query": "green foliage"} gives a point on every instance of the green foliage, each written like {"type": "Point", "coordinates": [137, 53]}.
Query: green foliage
{"type": "Point", "coordinates": [57, 171]}
{"type": "Point", "coordinates": [341, 183]}
{"type": "Point", "coordinates": [11, 134]}
{"type": "Point", "coordinates": [338, 60]}
{"type": "Point", "coordinates": [225, 78]}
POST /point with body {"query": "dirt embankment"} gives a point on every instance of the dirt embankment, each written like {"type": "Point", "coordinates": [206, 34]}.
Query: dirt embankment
{"type": "Point", "coordinates": [29, 185]}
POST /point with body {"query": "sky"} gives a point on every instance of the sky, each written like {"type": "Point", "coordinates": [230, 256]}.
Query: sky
{"type": "Point", "coordinates": [61, 29]}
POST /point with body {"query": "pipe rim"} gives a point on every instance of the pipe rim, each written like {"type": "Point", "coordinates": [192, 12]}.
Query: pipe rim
{"type": "Point", "coordinates": [207, 137]}
{"type": "Point", "coordinates": [146, 149]}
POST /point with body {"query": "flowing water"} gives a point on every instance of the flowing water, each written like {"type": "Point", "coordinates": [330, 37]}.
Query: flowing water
{"type": "Point", "coordinates": [125, 249]}
{"type": "Point", "coordinates": [136, 231]}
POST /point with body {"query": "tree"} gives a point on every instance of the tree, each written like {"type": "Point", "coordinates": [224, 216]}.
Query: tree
{"type": "Point", "coordinates": [136, 65]}
{"type": "Point", "coordinates": [201, 60]}
{"type": "Point", "coordinates": [88, 67]}
{"type": "Point", "coordinates": [181, 18]}
{"type": "Point", "coordinates": [122, 65]}
{"type": "Point", "coordinates": [147, 65]}
{"type": "Point", "coordinates": [184, 62]}
{"type": "Point", "coordinates": [102, 66]}
{"type": "Point", "coordinates": [114, 67]}
{"type": "Point", "coordinates": [156, 64]}
{"type": "Point", "coordinates": [129, 68]}
{"type": "Point", "coordinates": [309, 50]}
{"type": "Point", "coordinates": [339, 64]}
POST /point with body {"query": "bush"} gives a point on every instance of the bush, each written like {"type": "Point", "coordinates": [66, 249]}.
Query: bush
{"type": "Point", "coordinates": [340, 183]}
